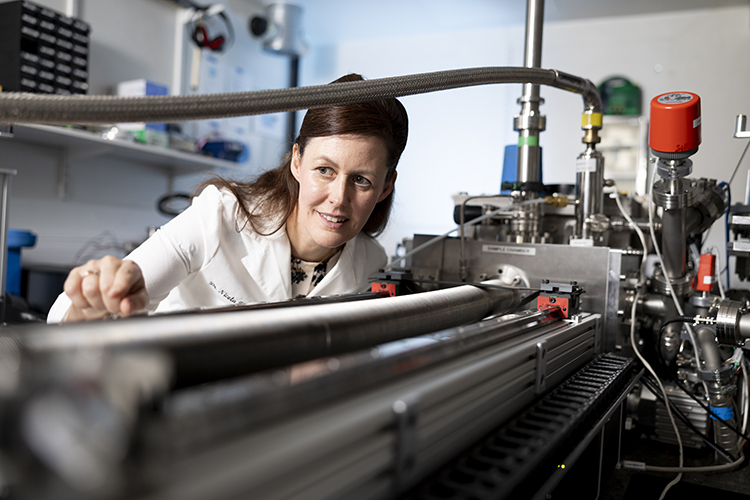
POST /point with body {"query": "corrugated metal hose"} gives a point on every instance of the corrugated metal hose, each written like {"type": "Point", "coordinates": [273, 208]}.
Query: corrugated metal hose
{"type": "Point", "coordinates": [53, 109]}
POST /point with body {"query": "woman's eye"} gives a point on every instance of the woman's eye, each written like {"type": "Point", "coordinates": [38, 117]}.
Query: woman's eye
{"type": "Point", "coordinates": [325, 170]}
{"type": "Point", "coordinates": [361, 181]}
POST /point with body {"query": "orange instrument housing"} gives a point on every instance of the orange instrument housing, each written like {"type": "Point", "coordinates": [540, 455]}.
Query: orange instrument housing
{"type": "Point", "coordinates": [675, 125]}
{"type": "Point", "coordinates": [706, 269]}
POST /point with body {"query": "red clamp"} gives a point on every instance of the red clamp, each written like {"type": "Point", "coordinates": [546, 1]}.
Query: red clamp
{"type": "Point", "coordinates": [385, 289]}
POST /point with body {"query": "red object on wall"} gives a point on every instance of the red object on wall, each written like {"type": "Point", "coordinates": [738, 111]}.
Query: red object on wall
{"type": "Point", "coordinates": [675, 125]}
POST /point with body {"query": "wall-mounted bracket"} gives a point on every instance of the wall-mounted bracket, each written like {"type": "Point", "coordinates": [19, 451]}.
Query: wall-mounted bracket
{"type": "Point", "coordinates": [740, 128]}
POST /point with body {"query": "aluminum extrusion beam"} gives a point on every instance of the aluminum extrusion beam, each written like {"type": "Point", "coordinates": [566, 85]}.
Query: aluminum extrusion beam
{"type": "Point", "coordinates": [261, 398]}
{"type": "Point", "coordinates": [361, 446]}
{"type": "Point", "coordinates": [209, 346]}
{"type": "Point", "coordinates": [49, 109]}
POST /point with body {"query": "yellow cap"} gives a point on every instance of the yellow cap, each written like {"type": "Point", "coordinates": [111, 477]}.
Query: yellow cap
{"type": "Point", "coordinates": [591, 120]}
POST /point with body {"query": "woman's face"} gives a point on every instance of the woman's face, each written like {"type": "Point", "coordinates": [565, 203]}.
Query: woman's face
{"type": "Point", "coordinates": [341, 178]}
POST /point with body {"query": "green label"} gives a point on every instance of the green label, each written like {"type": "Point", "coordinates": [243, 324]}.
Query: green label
{"type": "Point", "coordinates": [532, 140]}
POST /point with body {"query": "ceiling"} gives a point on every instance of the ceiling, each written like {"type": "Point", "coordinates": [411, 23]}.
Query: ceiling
{"type": "Point", "coordinates": [328, 21]}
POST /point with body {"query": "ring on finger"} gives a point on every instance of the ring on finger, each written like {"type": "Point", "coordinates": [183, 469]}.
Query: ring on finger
{"type": "Point", "coordinates": [90, 272]}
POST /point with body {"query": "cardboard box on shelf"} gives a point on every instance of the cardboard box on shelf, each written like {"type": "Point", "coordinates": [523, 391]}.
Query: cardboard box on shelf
{"type": "Point", "coordinates": [147, 133]}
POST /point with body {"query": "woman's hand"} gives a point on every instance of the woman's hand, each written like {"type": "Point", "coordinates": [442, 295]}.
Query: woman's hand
{"type": "Point", "coordinates": [106, 286]}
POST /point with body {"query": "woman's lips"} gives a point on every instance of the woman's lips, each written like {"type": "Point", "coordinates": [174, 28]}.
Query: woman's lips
{"type": "Point", "coordinates": [333, 221]}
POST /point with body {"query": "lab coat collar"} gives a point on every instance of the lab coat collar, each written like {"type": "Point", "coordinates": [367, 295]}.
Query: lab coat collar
{"type": "Point", "coordinates": [347, 264]}
{"type": "Point", "coordinates": [270, 264]}
{"type": "Point", "coordinates": [271, 268]}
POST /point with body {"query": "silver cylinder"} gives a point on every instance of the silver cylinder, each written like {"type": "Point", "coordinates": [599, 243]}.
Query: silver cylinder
{"type": "Point", "coordinates": [210, 345]}
{"type": "Point", "coordinates": [285, 21]}
{"type": "Point", "coordinates": [669, 343]}
{"type": "Point", "coordinates": [653, 305]}
{"type": "Point", "coordinates": [525, 224]}
{"type": "Point", "coordinates": [5, 181]}
{"type": "Point", "coordinates": [728, 325]}
{"type": "Point", "coordinates": [706, 338]}
{"type": "Point", "coordinates": [723, 435]}
{"type": "Point", "coordinates": [529, 123]}
{"type": "Point", "coordinates": [589, 189]}
{"type": "Point", "coordinates": [720, 402]}
{"type": "Point", "coordinates": [674, 243]}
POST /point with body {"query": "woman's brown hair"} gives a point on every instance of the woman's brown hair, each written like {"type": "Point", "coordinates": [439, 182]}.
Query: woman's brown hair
{"type": "Point", "coordinates": [268, 202]}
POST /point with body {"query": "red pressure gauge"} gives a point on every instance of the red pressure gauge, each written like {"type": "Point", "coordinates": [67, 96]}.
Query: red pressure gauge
{"type": "Point", "coordinates": [675, 125]}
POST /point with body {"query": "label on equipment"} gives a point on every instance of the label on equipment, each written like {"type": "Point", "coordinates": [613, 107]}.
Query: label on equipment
{"type": "Point", "coordinates": [585, 164]}
{"type": "Point", "coordinates": [633, 465]}
{"type": "Point", "coordinates": [509, 249]}
{"type": "Point", "coordinates": [741, 246]}
{"type": "Point", "coordinates": [675, 98]}
{"type": "Point", "coordinates": [696, 122]}
{"type": "Point", "coordinates": [581, 242]}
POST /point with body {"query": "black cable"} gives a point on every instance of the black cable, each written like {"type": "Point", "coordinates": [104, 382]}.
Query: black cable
{"type": "Point", "coordinates": [477, 284]}
{"type": "Point", "coordinates": [689, 319]}
{"type": "Point", "coordinates": [708, 409]}
{"type": "Point", "coordinates": [528, 299]}
{"type": "Point", "coordinates": [656, 392]}
{"type": "Point", "coordinates": [650, 385]}
{"type": "Point", "coordinates": [676, 319]}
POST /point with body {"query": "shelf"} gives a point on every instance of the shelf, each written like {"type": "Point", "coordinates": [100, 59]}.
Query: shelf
{"type": "Point", "coordinates": [84, 144]}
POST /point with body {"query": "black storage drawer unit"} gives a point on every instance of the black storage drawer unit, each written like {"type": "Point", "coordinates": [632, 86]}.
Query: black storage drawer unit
{"type": "Point", "coordinates": [42, 50]}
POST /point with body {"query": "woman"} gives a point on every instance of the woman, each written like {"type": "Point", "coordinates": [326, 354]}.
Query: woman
{"type": "Point", "coordinates": [303, 229]}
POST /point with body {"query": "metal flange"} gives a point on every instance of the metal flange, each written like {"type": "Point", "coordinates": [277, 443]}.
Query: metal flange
{"type": "Point", "coordinates": [529, 122]}
{"type": "Point", "coordinates": [728, 322]}
{"type": "Point", "coordinates": [668, 200]}
{"type": "Point", "coordinates": [681, 286]}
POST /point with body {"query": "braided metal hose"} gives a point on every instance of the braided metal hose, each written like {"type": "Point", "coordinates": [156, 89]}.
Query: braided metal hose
{"type": "Point", "coordinates": [51, 109]}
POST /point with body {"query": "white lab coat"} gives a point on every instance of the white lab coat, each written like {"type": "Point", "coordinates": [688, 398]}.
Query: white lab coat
{"type": "Point", "coordinates": [199, 260]}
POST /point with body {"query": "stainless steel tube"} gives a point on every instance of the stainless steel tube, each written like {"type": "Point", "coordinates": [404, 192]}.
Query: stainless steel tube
{"type": "Point", "coordinates": [208, 345]}
{"type": "Point", "coordinates": [5, 178]}
{"type": "Point", "coordinates": [533, 46]}
{"type": "Point", "coordinates": [529, 123]}
{"type": "Point", "coordinates": [653, 305]}
{"type": "Point", "coordinates": [674, 243]}
{"type": "Point", "coordinates": [669, 343]}
{"type": "Point", "coordinates": [589, 189]}
{"type": "Point", "coordinates": [710, 355]}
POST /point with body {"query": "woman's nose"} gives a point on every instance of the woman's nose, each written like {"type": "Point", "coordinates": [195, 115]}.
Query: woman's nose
{"type": "Point", "coordinates": [339, 193]}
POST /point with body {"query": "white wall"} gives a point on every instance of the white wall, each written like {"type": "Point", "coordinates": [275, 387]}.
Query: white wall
{"type": "Point", "coordinates": [457, 137]}
{"type": "Point", "coordinates": [111, 201]}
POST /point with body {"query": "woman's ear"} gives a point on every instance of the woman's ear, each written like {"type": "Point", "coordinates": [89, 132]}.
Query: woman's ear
{"type": "Point", "coordinates": [388, 188]}
{"type": "Point", "coordinates": [296, 162]}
